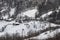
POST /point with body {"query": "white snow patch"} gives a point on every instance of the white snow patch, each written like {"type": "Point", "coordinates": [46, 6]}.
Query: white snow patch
{"type": "Point", "coordinates": [30, 13]}
{"type": "Point", "coordinates": [46, 14]}
{"type": "Point", "coordinates": [12, 11]}
{"type": "Point", "coordinates": [5, 17]}
{"type": "Point", "coordinates": [47, 34]}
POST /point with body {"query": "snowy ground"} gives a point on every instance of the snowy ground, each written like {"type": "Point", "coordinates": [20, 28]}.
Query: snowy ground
{"type": "Point", "coordinates": [41, 30]}
{"type": "Point", "coordinates": [26, 29]}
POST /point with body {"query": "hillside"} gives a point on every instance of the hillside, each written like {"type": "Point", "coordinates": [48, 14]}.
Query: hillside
{"type": "Point", "coordinates": [29, 19]}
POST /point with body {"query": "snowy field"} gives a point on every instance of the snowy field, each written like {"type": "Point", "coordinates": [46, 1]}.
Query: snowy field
{"type": "Point", "coordinates": [42, 29]}
{"type": "Point", "coordinates": [30, 30]}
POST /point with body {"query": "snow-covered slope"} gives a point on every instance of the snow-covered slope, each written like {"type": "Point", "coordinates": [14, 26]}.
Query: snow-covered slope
{"type": "Point", "coordinates": [26, 29]}
{"type": "Point", "coordinates": [29, 13]}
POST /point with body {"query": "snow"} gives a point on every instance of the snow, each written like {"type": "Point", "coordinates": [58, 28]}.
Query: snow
{"type": "Point", "coordinates": [30, 13]}
{"type": "Point", "coordinates": [3, 9]}
{"type": "Point", "coordinates": [2, 34]}
{"type": "Point", "coordinates": [12, 11]}
{"type": "Point", "coordinates": [23, 29]}
{"type": "Point", "coordinates": [5, 17]}
{"type": "Point", "coordinates": [47, 34]}
{"type": "Point", "coordinates": [46, 14]}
